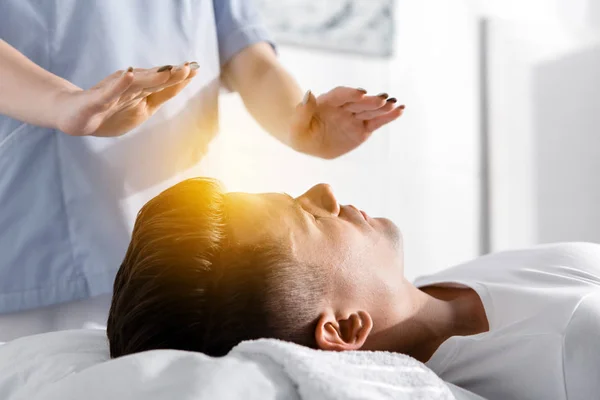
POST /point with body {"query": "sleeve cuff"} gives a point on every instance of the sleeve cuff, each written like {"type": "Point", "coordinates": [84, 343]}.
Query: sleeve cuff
{"type": "Point", "coordinates": [242, 38]}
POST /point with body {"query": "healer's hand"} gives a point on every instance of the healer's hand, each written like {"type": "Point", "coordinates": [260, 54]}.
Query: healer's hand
{"type": "Point", "coordinates": [121, 101]}
{"type": "Point", "coordinates": [340, 120]}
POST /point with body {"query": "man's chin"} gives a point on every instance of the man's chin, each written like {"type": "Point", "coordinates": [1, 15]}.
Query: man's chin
{"type": "Point", "coordinates": [390, 230]}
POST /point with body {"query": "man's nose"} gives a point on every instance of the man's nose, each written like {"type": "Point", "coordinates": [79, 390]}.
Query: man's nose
{"type": "Point", "coordinates": [322, 197]}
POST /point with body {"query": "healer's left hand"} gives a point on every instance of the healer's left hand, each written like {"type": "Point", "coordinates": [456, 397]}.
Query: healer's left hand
{"type": "Point", "coordinates": [340, 120]}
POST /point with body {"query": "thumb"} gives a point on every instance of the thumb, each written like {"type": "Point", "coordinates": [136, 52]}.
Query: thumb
{"type": "Point", "coordinates": [305, 111]}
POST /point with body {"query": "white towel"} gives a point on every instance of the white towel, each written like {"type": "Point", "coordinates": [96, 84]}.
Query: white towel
{"type": "Point", "coordinates": [349, 375]}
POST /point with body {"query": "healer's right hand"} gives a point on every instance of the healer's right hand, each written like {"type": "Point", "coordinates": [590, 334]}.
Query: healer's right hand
{"type": "Point", "coordinates": [121, 101]}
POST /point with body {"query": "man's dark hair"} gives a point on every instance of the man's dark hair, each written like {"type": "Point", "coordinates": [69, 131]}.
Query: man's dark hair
{"type": "Point", "coordinates": [185, 285]}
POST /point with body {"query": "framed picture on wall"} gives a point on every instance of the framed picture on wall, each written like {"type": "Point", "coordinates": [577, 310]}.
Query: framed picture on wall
{"type": "Point", "coordinates": [353, 26]}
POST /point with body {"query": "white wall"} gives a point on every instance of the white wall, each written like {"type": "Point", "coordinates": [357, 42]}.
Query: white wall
{"type": "Point", "coordinates": [578, 15]}
{"type": "Point", "coordinates": [436, 156]}
{"type": "Point", "coordinates": [545, 91]}
{"type": "Point", "coordinates": [422, 171]}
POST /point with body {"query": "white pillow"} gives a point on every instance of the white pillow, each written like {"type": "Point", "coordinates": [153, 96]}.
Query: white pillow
{"type": "Point", "coordinates": [27, 364]}
{"type": "Point", "coordinates": [76, 365]}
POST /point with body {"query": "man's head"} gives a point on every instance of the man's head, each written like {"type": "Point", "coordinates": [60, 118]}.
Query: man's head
{"type": "Point", "coordinates": [207, 269]}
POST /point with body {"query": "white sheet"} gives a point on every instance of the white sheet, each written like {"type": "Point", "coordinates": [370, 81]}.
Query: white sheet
{"type": "Point", "coordinates": [75, 365]}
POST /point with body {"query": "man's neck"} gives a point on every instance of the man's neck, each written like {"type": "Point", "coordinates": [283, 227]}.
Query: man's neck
{"type": "Point", "coordinates": [436, 314]}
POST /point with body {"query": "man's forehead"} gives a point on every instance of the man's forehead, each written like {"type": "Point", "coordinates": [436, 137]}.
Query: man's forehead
{"type": "Point", "coordinates": [256, 216]}
{"type": "Point", "coordinates": [240, 200]}
{"type": "Point", "coordinates": [245, 207]}
{"type": "Point", "coordinates": [273, 203]}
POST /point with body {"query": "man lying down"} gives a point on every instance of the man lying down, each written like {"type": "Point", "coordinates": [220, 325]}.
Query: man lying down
{"type": "Point", "coordinates": [207, 269]}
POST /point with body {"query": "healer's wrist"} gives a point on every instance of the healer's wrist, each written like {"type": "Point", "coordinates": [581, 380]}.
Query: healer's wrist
{"type": "Point", "coordinates": [61, 100]}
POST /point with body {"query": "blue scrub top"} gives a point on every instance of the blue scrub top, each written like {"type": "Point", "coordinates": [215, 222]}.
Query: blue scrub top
{"type": "Point", "coordinates": [67, 204]}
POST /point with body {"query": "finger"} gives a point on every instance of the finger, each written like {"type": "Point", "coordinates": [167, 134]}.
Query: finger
{"type": "Point", "coordinates": [367, 103]}
{"type": "Point", "coordinates": [117, 74]}
{"type": "Point", "coordinates": [167, 67]}
{"type": "Point", "coordinates": [158, 98]}
{"type": "Point", "coordinates": [136, 71]}
{"type": "Point", "coordinates": [342, 95]}
{"type": "Point", "coordinates": [376, 123]}
{"type": "Point", "coordinates": [112, 92]}
{"type": "Point", "coordinates": [109, 79]}
{"type": "Point", "coordinates": [305, 112]}
{"type": "Point", "coordinates": [367, 115]}
{"type": "Point", "coordinates": [178, 75]}
{"type": "Point", "coordinates": [150, 78]}
{"type": "Point", "coordinates": [193, 71]}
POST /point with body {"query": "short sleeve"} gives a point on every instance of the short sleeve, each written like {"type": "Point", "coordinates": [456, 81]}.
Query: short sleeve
{"type": "Point", "coordinates": [239, 25]}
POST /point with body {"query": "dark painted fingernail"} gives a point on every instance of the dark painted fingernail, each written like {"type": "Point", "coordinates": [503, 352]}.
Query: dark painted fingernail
{"type": "Point", "coordinates": [194, 65]}
{"type": "Point", "coordinates": [392, 100]}
{"type": "Point", "coordinates": [364, 91]}
{"type": "Point", "coordinates": [130, 69]}
{"type": "Point", "coordinates": [165, 68]}
{"type": "Point", "coordinates": [383, 95]}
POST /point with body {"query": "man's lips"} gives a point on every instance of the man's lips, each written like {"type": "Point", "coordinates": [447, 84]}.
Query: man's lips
{"type": "Point", "coordinates": [356, 211]}
{"type": "Point", "coordinates": [365, 215]}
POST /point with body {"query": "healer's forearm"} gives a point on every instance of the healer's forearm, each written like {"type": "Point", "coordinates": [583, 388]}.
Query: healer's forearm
{"type": "Point", "coordinates": [27, 91]}
{"type": "Point", "coordinates": [269, 92]}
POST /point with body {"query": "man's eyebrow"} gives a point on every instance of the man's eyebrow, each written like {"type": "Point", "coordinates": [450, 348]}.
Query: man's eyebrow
{"type": "Point", "coordinates": [295, 203]}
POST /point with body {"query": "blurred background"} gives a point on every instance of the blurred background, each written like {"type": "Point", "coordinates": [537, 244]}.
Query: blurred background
{"type": "Point", "coordinates": [499, 146]}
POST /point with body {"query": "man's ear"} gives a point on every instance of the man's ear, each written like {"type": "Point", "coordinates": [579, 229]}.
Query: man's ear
{"type": "Point", "coordinates": [341, 333]}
